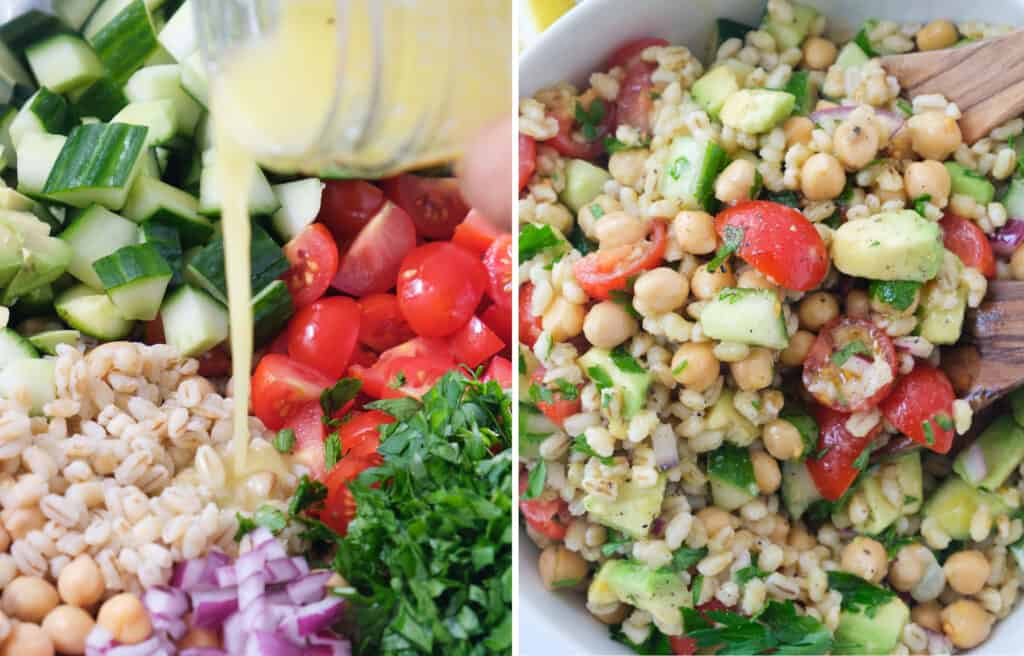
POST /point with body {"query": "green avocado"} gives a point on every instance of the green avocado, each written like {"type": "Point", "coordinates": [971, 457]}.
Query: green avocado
{"type": "Point", "coordinates": [660, 592]}
{"type": "Point", "coordinates": [714, 87]}
{"type": "Point", "coordinates": [1000, 449]}
{"type": "Point", "coordinates": [731, 474]}
{"type": "Point", "coordinates": [626, 375]}
{"type": "Point", "coordinates": [756, 110]}
{"type": "Point", "coordinates": [900, 245]}
{"type": "Point", "coordinates": [956, 502]}
{"type": "Point", "coordinates": [876, 631]}
{"type": "Point", "coordinates": [882, 512]}
{"type": "Point", "coordinates": [583, 183]}
{"type": "Point", "coordinates": [725, 417]}
{"type": "Point", "coordinates": [940, 324]}
{"type": "Point", "coordinates": [631, 512]}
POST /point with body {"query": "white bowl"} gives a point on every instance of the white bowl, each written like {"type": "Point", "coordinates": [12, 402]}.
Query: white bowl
{"type": "Point", "coordinates": [574, 47]}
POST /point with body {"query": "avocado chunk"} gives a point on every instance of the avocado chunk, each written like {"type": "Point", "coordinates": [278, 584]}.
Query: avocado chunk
{"type": "Point", "coordinates": [748, 316]}
{"type": "Point", "coordinates": [965, 181]}
{"type": "Point", "coordinates": [618, 370]}
{"type": "Point", "coordinates": [940, 324]}
{"type": "Point", "coordinates": [994, 455]}
{"type": "Point", "coordinates": [881, 511]}
{"type": "Point", "coordinates": [713, 88]}
{"type": "Point", "coordinates": [798, 488]}
{"type": "Point", "coordinates": [756, 110]}
{"type": "Point", "coordinates": [660, 592]}
{"type": "Point", "coordinates": [725, 417]}
{"type": "Point", "coordinates": [874, 631]}
{"type": "Point", "coordinates": [851, 56]}
{"type": "Point", "coordinates": [631, 512]}
{"type": "Point", "coordinates": [690, 172]}
{"type": "Point", "coordinates": [790, 34]}
{"type": "Point", "coordinates": [583, 183]}
{"type": "Point", "coordinates": [731, 473]}
{"type": "Point", "coordinates": [900, 245]}
{"type": "Point", "coordinates": [956, 502]}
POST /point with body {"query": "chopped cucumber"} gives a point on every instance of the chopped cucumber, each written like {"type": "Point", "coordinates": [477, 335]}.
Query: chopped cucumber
{"type": "Point", "coordinates": [804, 90]}
{"type": "Point", "coordinates": [11, 257]}
{"type": "Point", "coordinates": [206, 269]}
{"type": "Point", "coordinates": [93, 234]}
{"type": "Point", "coordinates": [262, 201]}
{"type": "Point", "coordinates": [798, 488]}
{"type": "Point", "coordinates": [990, 460]}
{"type": "Point", "coordinates": [712, 90]}
{"type": "Point", "coordinates": [7, 116]}
{"type": "Point", "coordinates": [14, 347]}
{"type": "Point", "coordinates": [626, 376]}
{"type": "Point", "coordinates": [157, 116]}
{"type": "Point", "coordinates": [125, 41]}
{"type": "Point", "coordinates": [179, 34]}
{"type": "Point", "coordinates": [64, 63]}
{"type": "Point", "coordinates": [44, 112]}
{"type": "Point", "coordinates": [166, 240]}
{"type": "Point", "coordinates": [76, 12]}
{"type": "Point", "coordinates": [747, 316]}
{"type": "Point", "coordinates": [194, 79]}
{"type": "Point", "coordinates": [300, 204]}
{"type": "Point", "coordinates": [153, 200]}
{"type": "Point", "coordinates": [731, 474]}
{"type": "Point", "coordinates": [23, 223]}
{"type": "Point", "coordinates": [193, 321]}
{"type": "Point", "coordinates": [36, 378]}
{"type": "Point", "coordinates": [101, 100]}
{"type": "Point", "coordinates": [970, 183]}
{"type": "Point", "coordinates": [48, 340]}
{"type": "Point", "coordinates": [271, 310]}
{"type": "Point", "coordinates": [1014, 198]}
{"type": "Point", "coordinates": [723, 416]}
{"type": "Point", "coordinates": [93, 313]}
{"type": "Point", "coordinates": [791, 34]}
{"type": "Point", "coordinates": [97, 165]}
{"type": "Point", "coordinates": [851, 56]}
{"type": "Point", "coordinates": [632, 511]}
{"type": "Point", "coordinates": [164, 83]}
{"type": "Point", "coordinates": [690, 172]}
{"type": "Point", "coordinates": [135, 278]}
{"type": "Point", "coordinates": [757, 110]}
{"type": "Point", "coordinates": [30, 26]}
{"type": "Point", "coordinates": [583, 183]}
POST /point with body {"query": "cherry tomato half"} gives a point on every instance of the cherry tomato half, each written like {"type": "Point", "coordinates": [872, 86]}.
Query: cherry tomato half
{"type": "Point", "coordinates": [630, 51]}
{"type": "Point", "coordinates": [313, 257]}
{"type": "Point", "coordinates": [550, 518]}
{"type": "Point", "coordinates": [360, 435]}
{"type": "Point", "coordinates": [921, 407]}
{"type": "Point", "coordinates": [439, 288]}
{"type": "Point", "coordinates": [776, 240]}
{"type": "Point", "coordinates": [634, 102]}
{"type": "Point", "coordinates": [569, 146]}
{"type": "Point", "coordinates": [499, 319]}
{"type": "Point", "coordinates": [383, 325]}
{"type": "Point", "coordinates": [371, 263]}
{"type": "Point", "coordinates": [281, 385]}
{"type": "Point", "coordinates": [682, 646]}
{"type": "Point", "coordinates": [498, 261]}
{"type": "Point", "coordinates": [435, 204]}
{"type": "Point", "coordinates": [472, 344]}
{"type": "Point", "coordinates": [500, 370]}
{"type": "Point", "coordinates": [323, 335]}
{"type": "Point", "coordinates": [476, 233]}
{"type": "Point", "coordinates": [346, 206]}
{"type": "Point", "coordinates": [606, 270]}
{"type": "Point", "coordinates": [340, 506]}
{"type": "Point", "coordinates": [966, 240]}
{"type": "Point", "coordinates": [310, 432]}
{"type": "Point", "coordinates": [851, 365]}
{"type": "Point", "coordinates": [560, 407]}
{"type": "Point", "coordinates": [530, 326]}
{"type": "Point", "coordinates": [402, 376]}
{"type": "Point", "coordinates": [527, 159]}
{"type": "Point", "coordinates": [838, 449]}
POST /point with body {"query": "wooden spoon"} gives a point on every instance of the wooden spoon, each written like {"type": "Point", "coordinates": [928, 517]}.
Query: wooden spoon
{"type": "Point", "coordinates": [985, 79]}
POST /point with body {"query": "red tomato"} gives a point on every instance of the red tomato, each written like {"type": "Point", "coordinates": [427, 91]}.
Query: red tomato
{"type": "Point", "coordinates": [340, 506]}
{"type": "Point", "coordinates": [280, 344]}
{"type": "Point", "coordinates": [154, 332]}
{"type": "Point", "coordinates": [924, 396]}
{"type": "Point", "coordinates": [778, 241]}
{"type": "Point", "coordinates": [527, 159]}
{"type": "Point", "coordinates": [529, 325]}
{"type": "Point", "coordinates": [435, 204]}
{"type": "Point", "coordinates": [549, 518]}
{"type": "Point", "coordinates": [634, 102]}
{"type": "Point", "coordinates": [851, 365]}
{"type": "Point", "coordinates": [560, 408]}
{"type": "Point", "coordinates": [499, 370]}
{"type": "Point", "coordinates": [439, 288]}
{"type": "Point", "coordinates": [280, 385]}
{"type": "Point", "coordinates": [606, 270]}
{"type": "Point", "coordinates": [371, 263]}
{"type": "Point", "coordinates": [402, 376]}
{"type": "Point", "coordinates": [310, 433]}
{"type": "Point", "coordinates": [630, 51]}
{"type": "Point", "coordinates": [835, 471]}
{"type": "Point", "coordinates": [360, 435]}
{"type": "Point", "coordinates": [363, 356]}
{"type": "Point", "coordinates": [324, 334]}
{"type": "Point", "coordinates": [475, 233]}
{"type": "Point", "coordinates": [682, 646]}
{"type": "Point", "coordinates": [499, 320]}
{"type": "Point", "coordinates": [215, 363]}
{"type": "Point", "coordinates": [313, 256]}
{"type": "Point", "coordinates": [567, 145]}
{"type": "Point", "coordinates": [348, 205]}
{"type": "Point", "coordinates": [498, 261]}
{"type": "Point", "coordinates": [383, 325]}
{"type": "Point", "coordinates": [472, 344]}
{"type": "Point", "coordinates": [965, 239]}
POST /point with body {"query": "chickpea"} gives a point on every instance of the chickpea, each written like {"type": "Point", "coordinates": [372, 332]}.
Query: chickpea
{"type": "Point", "coordinates": [800, 539]}
{"type": "Point", "coordinates": [20, 521]}
{"type": "Point", "coordinates": [799, 345]}
{"type": "Point", "coordinates": [695, 232]}
{"type": "Point", "coordinates": [561, 568]}
{"type": "Point", "coordinates": [857, 303]}
{"type": "Point", "coordinates": [199, 637]}
{"type": "Point", "coordinates": [822, 177]}
{"type": "Point", "coordinates": [780, 532]}
{"type": "Point", "coordinates": [966, 623]}
{"type": "Point", "coordinates": [855, 143]}
{"type": "Point", "coordinates": [755, 371]}
{"type": "Point", "coordinates": [126, 618]}
{"type": "Point", "coordinates": [564, 320]}
{"type": "Point", "coordinates": [819, 53]}
{"type": "Point", "coordinates": [754, 279]}
{"type": "Point", "coordinates": [619, 229]}
{"type": "Point", "coordinates": [68, 627]}
{"type": "Point", "coordinates": [927, 178]}
{"type": "Point", "coordinates": [907, 569]}
{"type": "Point", "coordinates": [736, 182]}
{"type": "Point", "coordinates": [613, 616]}
{"type": "Point", "coordinates": [608, 324]}
{"type": "Point", "coordinates": [967, 571]}
{"type": "Point", "coordinates": [706, 284]}
{"type": "Point", "coordinates": [881, 307]}
{"type": "Point", "coordinates": [714, 519]}
{"type": "Point", "coordinates": [80, 582]}
{"type": "Point", "coordinates": [782, 440]}
{"type": "Point", "coordinates": [928, 615]}
{"type": "Point", "coordinates": [5, 539]}
{"type": "Point", "coordinates": [1017, 263]}
{"type": "Point", "coordinates": [694, 366]}
{"type": "Point", "coordinates": [798, 129]}
{"type": "Point", "coordinates": [936, 35]}
{"type": "Point", "coordinates": [627, 166]}
{"type": "Point", "coordinates": [27, 639]}
{"type": "Point", "coordinates": [817, 309]}
{"type": "Point", "coordinates": [766, 472]}
{"type": "Point", "coordinates": [934, 135]}
{"type": "Point", "coordinates": [660, 290]}
{"type": "Point", "coordinates": [901, 145]}
{"type": "Point", "coordinates": [586, 216]}
{"type": "Point", "coordinates": [555, 215]}
{"type": "Point", "coordinates": [29, 599]}
{"type": "Point", "coordinates": [866, 558]}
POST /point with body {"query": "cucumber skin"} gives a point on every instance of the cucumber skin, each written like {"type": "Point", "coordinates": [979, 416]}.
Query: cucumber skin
{"type": "Point", "coordinates": [206, 269]}
{"type": "Point", "coordinates": [97, 156]}
{"type": "Point", "coordinates": [102, 99]}
{"type": "Point", "coordinates": [271, 310]}
{"type": "Point", "coordinates": [131, 27]}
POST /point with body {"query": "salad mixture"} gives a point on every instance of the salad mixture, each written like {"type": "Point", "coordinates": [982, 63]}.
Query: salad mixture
{"type": "Point", "coordinates": [371, 512]}
{"type": "Point", "coordinates": [737, 277]}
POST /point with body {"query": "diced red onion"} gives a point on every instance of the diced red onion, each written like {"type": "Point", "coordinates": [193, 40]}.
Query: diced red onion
{"type": "Point", "coordinates": [666, 449]}
{"type": "Point", "coordinates": [251, 589]}
{"type": "Point", "coordinates": [265, 643]}
{"type": "Point", "coordinates": [211, 607]}
{"type": "Point", "coordinates": [249, 564]}
{"type": "Point", "coordinates": [975, 467]}
{"type": "Point", "coordinates": [891, 120]}
{"type": "Point", "coordinates": [282, 570]}
{"type": "Point", "coordinates": [226, 576]}
{"type": "Point", "coordinates": [1008, 238]}
{"type": "Point", "coordinates": [301, 564]}
{"type": "Point", "coordinates": [314, 617]}
{"type": "Point", "coordinates": [98, 641]}
{"type": "Point", "coordinates": [203, 651]}
{"type": "Point", "coordinates": [338, 646]}
{"type": "Point", "coordinates": [200, 571]}
{"type": "Point", "coordinates": [308, 589]}
{"type": "Point", "coordinates": [278, 597]}
{"type": "Point", "coordinates": [152, 647]}
{"type": "Point", "coordinates": [165, 600]}
{"type": "Point", "coordinates": [260, 536]}
{"type": "Point", "coordinates": [172, 626]}
{"type": "Point", "coordinates": [235, 634]}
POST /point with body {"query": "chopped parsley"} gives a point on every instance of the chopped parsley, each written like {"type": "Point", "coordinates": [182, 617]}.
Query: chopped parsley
{"type": "Point", "coordinates": [596, 211]}
{"type": "Point", "coordinates": [732, 239]}
{"type": "Point", "coordinates": [656, 644]}
{"type": "Point", "coordinates": [893, 541]}
{"type": "Point", "coordinates": [944, 421]}
{"type": "Point", "coordinates": [909, 499]}
{"type": "Point", "coordinates": [334, 398]}
{"type": "Point", "coordinates": [621, 297]}
{"type": "Point", "coordinates": [534, 238]}
{"type": "Point", "coordinates": [536, 480]}
{"type": "Point", "coordinates": [904, 106]}
{"type": "Point", "coordinates": [730, 295]}
{"type": "Point", "coordinates": [580, 445]}
{"type": "Point", "coordinates": [858, 594]}
{"type": "Point", "coordinates": [615, 543]}
{"type": "Point", "coordinates": [777, 629]}
{"type": "Point", "coordinates": [332, 450]}
{"type": "Point", "coordinates": [806, 426]}
{"type": "Point", "coordinates": [309, 493]}
{"type": "Point", "coordinates": [920, 202]}
{"type": "Point", "coordinates": [626, 362]}
{"type": "Point", "coordinates": [567, 390]}
{"type": "Point", "coordinates": [899, 294]}
{"type": "Point", "coordinates": [822, 453]}
{"type": "Point", "coordinates": [400, 408]}
{"type": "Point", "coordinates": [540, 394]}
{"type": "Point", "coordinates": [600, 377]}
{"type": "Point", "coordinates": [874, 243]}
{"type": "Point", "coordinates": [787, 198]}
{"type": "Point", "coordinates": [681, 368]}
{"type": "Point", "coordinates": [862, 460]}
{"type": "Point", "coordinates": [757, 404]}
{"type": "Point", "coordinates": [678, 168]}
{"type": "Point", "coordinates": [613, 145]}
{"type": "Point", "coordinates": [284, 441]}
{"type": "Point", "coordinates": [684, 558]}
{"type": "Point", "coordinates": [743, 576]}
{"type": "Point", "coordinates": [698, 587]}
{"type": "Point", "coordinates": [245, 526]}
{"type": "Point", "coordinates": [589, 119]}
{"type": "Point", "coordinates": [266, 516]}
{"type": "Point", "coordinates": [855, 347]}
{"type": "Point", "coordinates": [398, 381]}
{"type": "Point", "coordinates": [929, 432]}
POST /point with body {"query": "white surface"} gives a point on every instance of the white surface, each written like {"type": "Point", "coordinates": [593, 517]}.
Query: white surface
{"type": "Point", "coordinates": [574, 47]}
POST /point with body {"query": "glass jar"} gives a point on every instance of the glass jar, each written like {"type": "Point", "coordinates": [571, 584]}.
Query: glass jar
{"type": "Point", "coordinates": [342, 88]}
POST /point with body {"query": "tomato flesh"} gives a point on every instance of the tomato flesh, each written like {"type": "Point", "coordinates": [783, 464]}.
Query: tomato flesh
{"type": "Point", "coordinates": [838, 449]}
{"type": "Point", "coordinates": [340, 505]}
{"type": "Point", "coordinates": [560, 407]}
{"type": "Point", "coordinates": [498, 261]}
{"type": "Point", "coordinates": [921, 407]}
{"type": "Point", "coordinates": [682, 646]}
{"type": "Point", "coordinates": [499, 319]}
{"type": "Point", "coordinates": [527, 159]}
{"type": "Point", "coordinates": [607, 270]}
{"type": "Point", "coordinates": [566, 143]}
{"type": "Point", "coordinates": [634, 102]}
{"type": "Point", "coordinates": [499, 370]}
{"type": "Point", "coordinates": [323, 335]}
{"type": "Point", "coordinates": [310, 432]}
{"type": "Point", "coordinates": [360, 435]}
{"type": "Point", "coordinates": [967, 241]}
{"type": "Point", "coordinates": [371, 263]}
{"type": "Point", "coordinates": [549, 517]}
{"type": "Point", "coordinates": [530, 326]}
{"type": "Point", "coordinates": [472, 344]}
{"type": "Point", "coordinates": [778, 241]}
{"type": "Point", "coordinates": [346, 206]}
{"type": "Point", "coordinates": [281, 385]}
{"type": "Point", "coordinates": [313, 257]}
{"type": "Point", "coordinates": [439, 288]}
{"type": "Point", "coordinates": [409, 369]}
{"type": "Point", "coordinates": [476, 233]}
{"type": "Point", "coordinates": [383, 325]}
{"type": "Point", "coordinates": [435, 204]}
{"type": "Point", "coordinates": [631, 51]}
{"type": "Point", "coordinates": [851, 365]}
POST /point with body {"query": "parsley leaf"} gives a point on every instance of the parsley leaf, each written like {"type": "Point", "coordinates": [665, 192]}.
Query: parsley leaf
{"type": "Point", "coordinates": [536, 237]}
{"type": "Point", "coordinates": [332, 450]}
{"type": "Point", "coordinates": [861, 461]}
{"type": "Point", "coordinates": [567, 390]}
{"type": "Point", "coordinates": [893, 541]}
{"type": "Point", "coordinates": [681, 368]}
{"type": "Point", "coordinates": [613, 145]}
{"type": "Point", "coordinates": [929, 432]}
{"type": "Point", "coordinates": [245, 526]}
{"type": "Point", "coordinates": [732, 239]}
{"type": "Point", "coordinates": [536, 480]}
{"type": "Point", "coordinates": [590, 118]}
{"type": "Point", "coordinates": [540, 394]}
{"type": "Point", "coordinates": [270, 518]}
{"type": "Point", "coordinates": [684, 558]}
{"type": "Point", "coordinates": [657, 643]}
{"type": "Point", "coordinates": [580, 445]}
{"type": "Point", "coordinates": [857, 593]}
{"type": "Point", "coordinates": [742, 576]}
{"type": "Point", "coordinates": [805, 425]}
{"type": "Point", "coordinates": [307, 494]}
{"type": "Point", "coordinates": [401, 408]}
{"type": "Point", "coordinates": [787, 198]}
{"type": "Point", "coordinates": [600, 377]}
{"type": "Point", "coordinates": [920, 202]}
{"type": "Point", "coordinates": [615, 543]}
{"type": "Point", "coordinates": [778, 629]}
{"type": "Point", "coordinates": [853, 348]}
{"type": "Point", "coordinates": [596, 211]}
{"type": "Point", "coordinates": [697, 588]}
{"type": "Point", "coordinates": [904, 106]}
{"type": "Point", "coordinates": [622, 297]}
{"type": "Point", "coordinates": [944, 421]}
{"type": "Point", "coordinates": [398, 381]}
{"type": "Point", "coordinates": [284, 441]}
{"type": "Point", "coordinates": [335, 397]}
{"type": "Point", "coordinates": [900, 294]}
{"type": "Point", "coordinates": [579, 240]}
{"type": "Point", "coordinates": [626, 362]}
